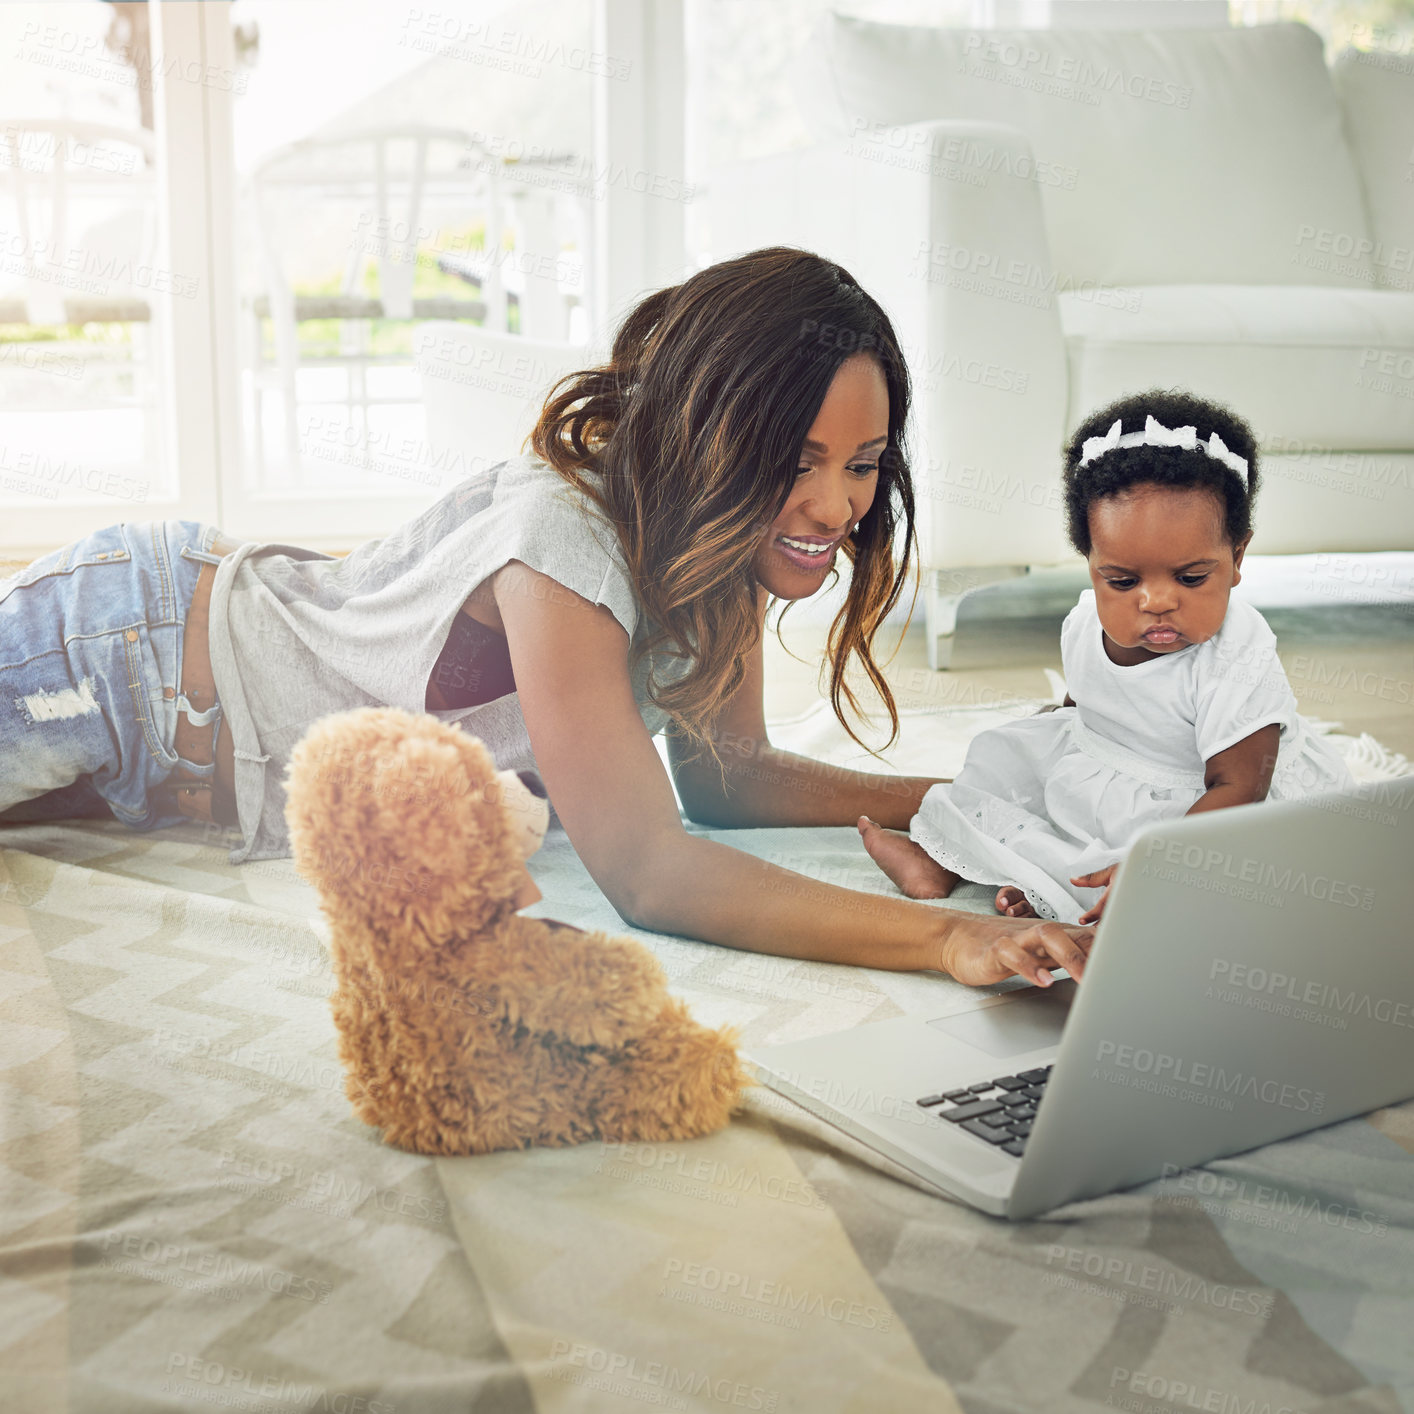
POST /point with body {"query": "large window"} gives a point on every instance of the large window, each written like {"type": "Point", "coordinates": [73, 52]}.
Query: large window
{"type": "Point", "coordinates": [398, 168]}
{"type": "Point", "coordinates": [86, 293]}
{"type": "Point", "coordinates": [251, 251]}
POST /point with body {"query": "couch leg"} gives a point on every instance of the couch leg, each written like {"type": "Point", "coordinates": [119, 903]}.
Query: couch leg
{"type": "Point", "coordinates": [944, 591]}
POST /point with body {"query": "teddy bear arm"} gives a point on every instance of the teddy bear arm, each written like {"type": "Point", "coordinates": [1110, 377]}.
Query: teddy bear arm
{"type": "Point", "coordinates": [587, 988]}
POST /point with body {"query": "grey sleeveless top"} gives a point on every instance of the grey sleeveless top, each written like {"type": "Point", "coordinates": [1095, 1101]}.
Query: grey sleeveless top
{"type": "Point", "coordinates": [296, 634]}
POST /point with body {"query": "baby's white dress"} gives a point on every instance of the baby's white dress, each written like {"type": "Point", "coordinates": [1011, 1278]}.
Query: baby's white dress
{"type": "Point", "coordinates": [1063, 793]}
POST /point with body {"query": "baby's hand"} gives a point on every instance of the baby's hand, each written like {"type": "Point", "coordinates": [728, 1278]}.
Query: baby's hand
{"type": "Point", "coordinates": [1100, 879]}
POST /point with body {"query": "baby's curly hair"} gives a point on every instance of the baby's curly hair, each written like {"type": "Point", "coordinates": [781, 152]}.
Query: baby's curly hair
{"type": "Point", "coordinates": [1124, 467]}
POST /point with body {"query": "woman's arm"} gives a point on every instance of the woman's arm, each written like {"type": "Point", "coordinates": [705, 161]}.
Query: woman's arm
{"type": "Point", "coordinates": [766, 786]}
{"type": "Point", "coordinates": [570, 659]}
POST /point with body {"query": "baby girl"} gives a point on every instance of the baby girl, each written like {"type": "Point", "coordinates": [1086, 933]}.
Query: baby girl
{"type": "Point", "coordinates": [1176, 701]}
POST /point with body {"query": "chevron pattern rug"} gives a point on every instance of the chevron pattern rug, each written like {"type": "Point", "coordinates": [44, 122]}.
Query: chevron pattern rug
{"type": "Point", "coordinates": [191, 1217]}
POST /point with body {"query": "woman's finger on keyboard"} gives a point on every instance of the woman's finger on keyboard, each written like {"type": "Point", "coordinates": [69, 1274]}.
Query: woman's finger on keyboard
{"type": "Point", "coordinates": [1058, 946]}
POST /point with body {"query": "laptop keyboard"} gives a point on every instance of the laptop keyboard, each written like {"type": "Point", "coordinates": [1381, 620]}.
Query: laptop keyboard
{"type": "Point", "coordinates": [1001, 1111]}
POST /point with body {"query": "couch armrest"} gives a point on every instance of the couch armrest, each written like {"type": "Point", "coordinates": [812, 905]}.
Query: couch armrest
{"type": "Point", "coordinates": [991, 382]}
{"type": "Point", "coordinates": [941, 221]}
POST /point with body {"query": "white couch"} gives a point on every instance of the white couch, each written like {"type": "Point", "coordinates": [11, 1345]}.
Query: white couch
{"type": "Point", "coordinates": [483, 389]}
{"type": "Point", "coordinates": [1055, 218]}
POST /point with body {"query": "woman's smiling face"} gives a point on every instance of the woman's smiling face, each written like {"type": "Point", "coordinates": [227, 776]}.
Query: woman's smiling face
{"type": "Point", "coordinates": [838, 473]}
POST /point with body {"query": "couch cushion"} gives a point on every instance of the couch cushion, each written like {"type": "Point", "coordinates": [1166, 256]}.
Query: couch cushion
{"type": "Point", "coordinates": [1163, 157]}
{"type": "Point", "coordinates": [1306, 364]}
{"type": "Point", "coordinates": [1377, 91]}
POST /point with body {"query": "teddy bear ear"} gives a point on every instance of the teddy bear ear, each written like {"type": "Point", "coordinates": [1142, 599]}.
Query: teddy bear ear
{"type": "Point", "coordinates": [399, 818]}
{"type": "Point", "coordinates": [527, 813]}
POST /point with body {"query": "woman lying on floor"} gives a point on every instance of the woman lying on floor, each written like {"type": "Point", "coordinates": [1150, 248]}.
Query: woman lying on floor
{"type": "Point", "coordinates": [563, 606]}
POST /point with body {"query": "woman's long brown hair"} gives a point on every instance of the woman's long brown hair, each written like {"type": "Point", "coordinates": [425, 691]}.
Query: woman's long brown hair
{"type": "Point", "coordinates": [688, 441]}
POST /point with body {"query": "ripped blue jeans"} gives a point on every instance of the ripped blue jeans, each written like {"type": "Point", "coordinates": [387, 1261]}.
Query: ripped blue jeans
{"type": "Point", "coordinates": [90, 673]}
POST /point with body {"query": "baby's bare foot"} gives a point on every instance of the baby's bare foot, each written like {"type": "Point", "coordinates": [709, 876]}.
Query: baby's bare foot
{"type": "Point", "coordinates": [1014, 903]}
{"type": "Point", "coordinates": [909, 865]}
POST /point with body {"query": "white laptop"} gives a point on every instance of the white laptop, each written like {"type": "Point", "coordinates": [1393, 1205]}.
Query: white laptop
{"type": "Point", "coordinates": [1252, 978]}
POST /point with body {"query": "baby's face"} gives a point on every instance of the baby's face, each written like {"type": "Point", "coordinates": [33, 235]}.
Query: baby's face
{"type": "Point", "coordinates": [1161, 569]}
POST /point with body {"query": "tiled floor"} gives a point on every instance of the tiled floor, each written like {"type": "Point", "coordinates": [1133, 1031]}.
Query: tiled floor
{"type": "Point", "coordinates": [1347, 662]}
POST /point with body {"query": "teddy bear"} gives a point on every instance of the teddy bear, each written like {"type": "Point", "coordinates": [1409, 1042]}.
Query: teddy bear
{"type": "Point", "coordinates": [465, 1026]}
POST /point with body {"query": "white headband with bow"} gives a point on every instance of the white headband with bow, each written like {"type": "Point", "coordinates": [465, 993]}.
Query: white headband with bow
{"type": "Point", "coordinates": [1155, 434]}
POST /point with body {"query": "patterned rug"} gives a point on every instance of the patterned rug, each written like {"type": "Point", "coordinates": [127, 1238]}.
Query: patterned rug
{"type": "Point", "coordinates": [191, 1217]}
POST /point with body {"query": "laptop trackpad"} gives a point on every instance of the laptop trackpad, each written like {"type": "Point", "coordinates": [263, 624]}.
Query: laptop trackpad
{"type": "Point", "coordinates": [1032, 1021]}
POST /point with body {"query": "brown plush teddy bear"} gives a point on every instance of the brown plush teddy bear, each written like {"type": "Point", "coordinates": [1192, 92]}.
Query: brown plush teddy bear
{"type": "Point", "coordinates": [463, 1026]}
